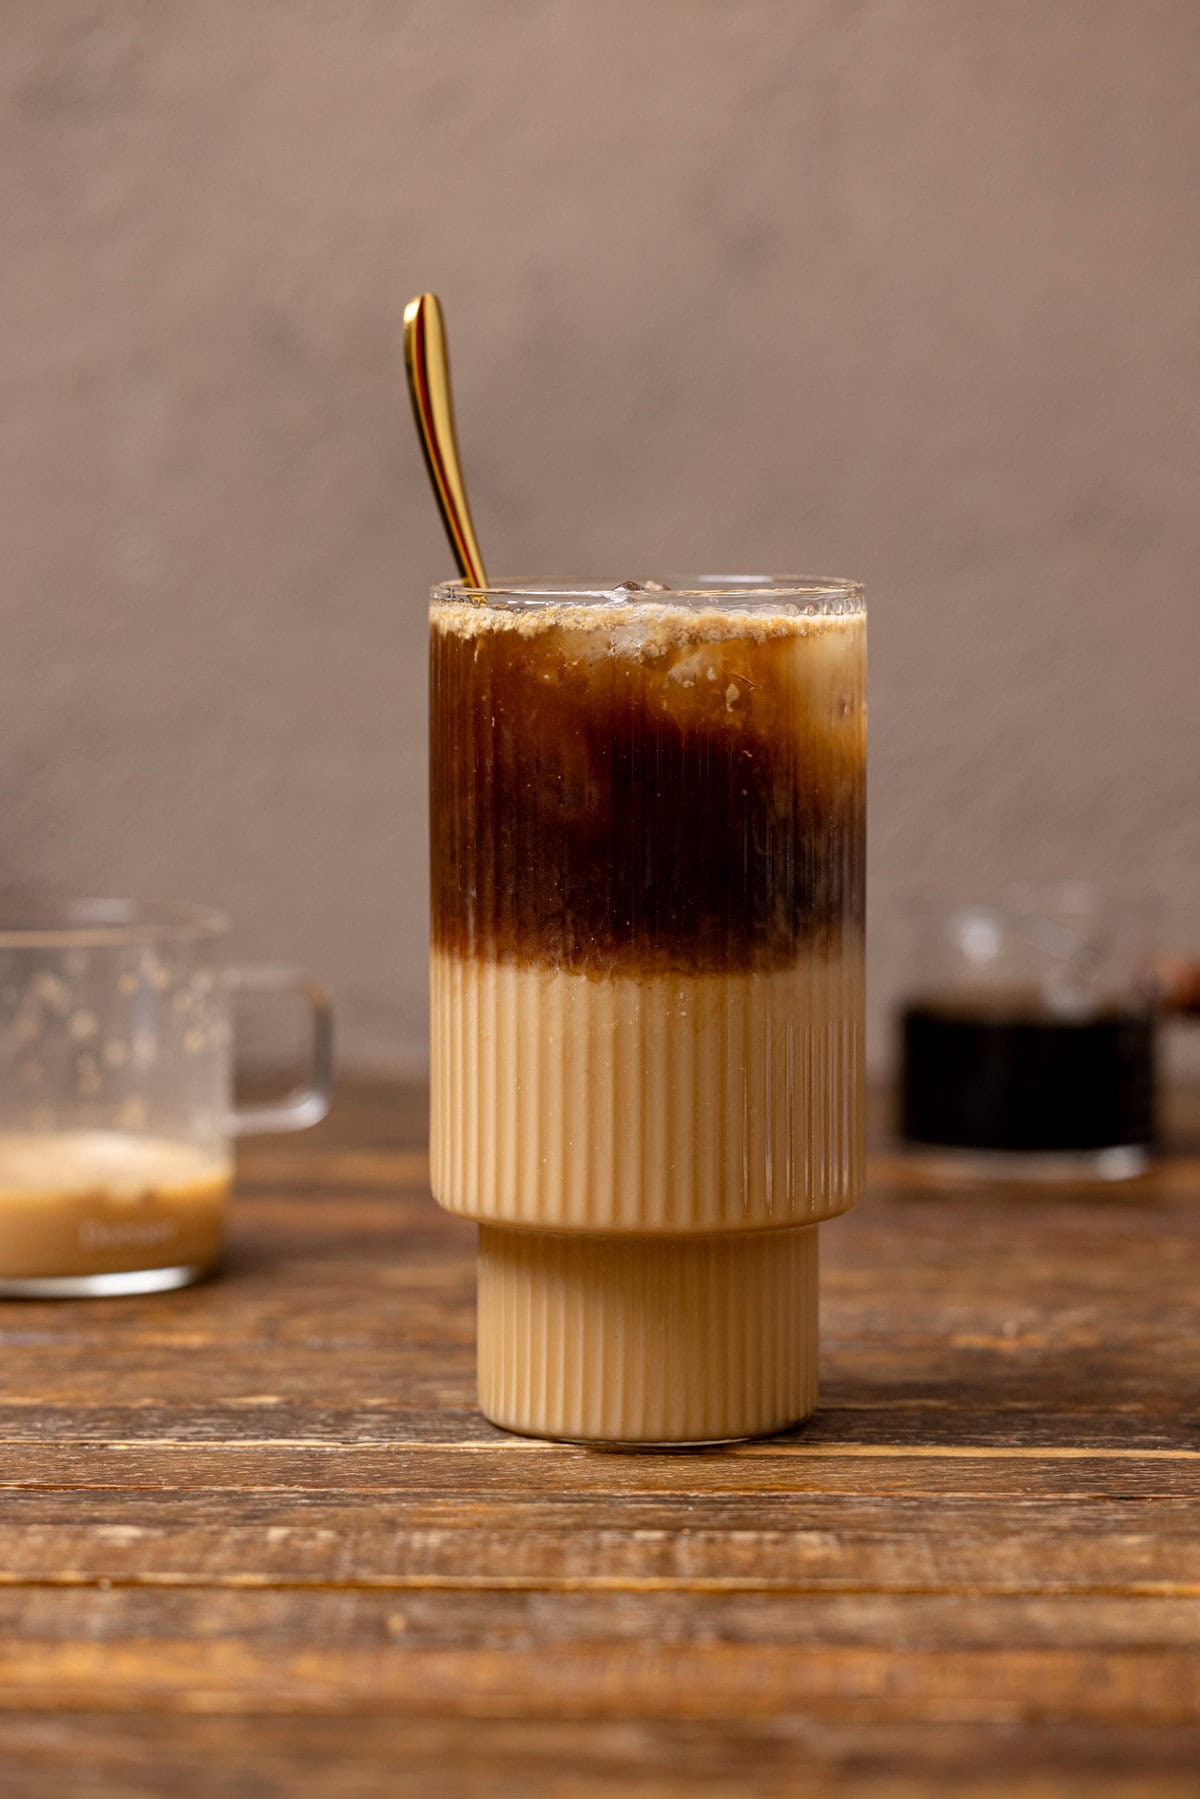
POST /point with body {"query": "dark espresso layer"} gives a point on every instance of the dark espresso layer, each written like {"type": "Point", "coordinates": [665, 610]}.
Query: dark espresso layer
{"type": "Point", "coordinates": [635, 789]}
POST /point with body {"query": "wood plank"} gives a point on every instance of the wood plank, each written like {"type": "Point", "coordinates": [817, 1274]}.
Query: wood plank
{"type": "Point", "coordinates": [97, 1756]}
{"type": "Point", "coordinates": [262, 1417]}
{"type": "Point", "coordinates": [1053, 1685]}
{"type": "Point", "coordinates": [500, 1466]}
{"type": "Point", "coordinates": [808, 1543]}
{"type": "Point", "coordinates": [343, 1616]}
{"type": "Point", "coordinates": [347, 1653]}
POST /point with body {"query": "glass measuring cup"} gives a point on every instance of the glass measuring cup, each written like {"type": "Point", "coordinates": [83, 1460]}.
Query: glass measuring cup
{"type": "Point", "coordinates": [116, 1078]}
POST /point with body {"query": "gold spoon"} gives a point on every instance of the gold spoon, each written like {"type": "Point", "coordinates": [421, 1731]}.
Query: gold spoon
{"type": "Point", "coordinates": [428, 365]}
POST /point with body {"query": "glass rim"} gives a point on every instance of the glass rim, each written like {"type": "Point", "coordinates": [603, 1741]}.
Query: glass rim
{"type": "Point", "coordinates": [816, 594]}
{"type": "Point", "coordinates": [33, 920]}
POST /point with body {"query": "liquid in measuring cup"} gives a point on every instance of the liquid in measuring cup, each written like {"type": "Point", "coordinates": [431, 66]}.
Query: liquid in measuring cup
{"type": "Point", "coordinates": [82, 1203]}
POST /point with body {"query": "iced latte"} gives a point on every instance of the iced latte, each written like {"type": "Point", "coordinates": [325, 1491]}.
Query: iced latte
{"type": "Point", "coordinates": [647, 991]}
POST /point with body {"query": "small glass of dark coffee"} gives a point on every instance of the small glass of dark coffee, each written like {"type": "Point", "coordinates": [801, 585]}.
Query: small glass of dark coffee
{"type": "Point", "coordinates": [1027, 1036]}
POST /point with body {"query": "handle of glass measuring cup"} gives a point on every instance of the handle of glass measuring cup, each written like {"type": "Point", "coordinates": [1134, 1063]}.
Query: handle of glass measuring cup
{"type": "Point", "coordinates": [307, 1102]}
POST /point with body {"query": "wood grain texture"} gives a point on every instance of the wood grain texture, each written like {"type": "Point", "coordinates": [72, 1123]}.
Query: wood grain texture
{"type": "Point", "coordinates": [254, 1537]}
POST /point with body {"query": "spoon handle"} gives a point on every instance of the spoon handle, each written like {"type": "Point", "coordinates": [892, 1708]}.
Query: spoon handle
{"type": "Point", "coordinates": [428, 365]}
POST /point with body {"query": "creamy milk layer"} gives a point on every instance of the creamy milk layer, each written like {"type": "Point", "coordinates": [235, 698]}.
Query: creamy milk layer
{"type": "Point", "coordinates": [672, 1103]}
{"type": "Point", "coordinates": [647, 1339]}
{"type": "Point", "coordinates": [104, 1202]}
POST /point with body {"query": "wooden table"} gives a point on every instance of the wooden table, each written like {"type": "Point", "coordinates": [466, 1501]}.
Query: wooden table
{"type": "Point", "coordinates": [255, 1540]}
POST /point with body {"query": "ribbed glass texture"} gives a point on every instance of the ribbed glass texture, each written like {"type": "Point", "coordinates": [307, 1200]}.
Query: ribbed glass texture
{"type": "Point", "coordinates": [572, 1332]}
{"type": "Point", "coordinates": [647, 975]}
{"type": "Point", "coordinates": [647, 814]}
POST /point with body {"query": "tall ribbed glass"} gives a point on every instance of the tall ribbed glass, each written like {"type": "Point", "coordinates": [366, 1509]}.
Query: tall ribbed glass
{"type": "Point", "coordinates": [647, 817]}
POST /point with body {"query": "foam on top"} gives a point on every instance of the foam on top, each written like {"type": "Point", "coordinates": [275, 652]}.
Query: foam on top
{"type": "Point", "coordinates": [643, 628]}
{"type": "Point", "coordinates": [116, 1164]}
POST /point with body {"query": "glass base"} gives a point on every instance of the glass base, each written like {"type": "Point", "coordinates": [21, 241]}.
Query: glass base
{"type": "Point", "coordinates": [1118, 1162]}
{"type": "Point", "coordinates": [659, 1342]}
{"type": "Point", "coordinates": [647, 1446]}
{"type": "Point", "coordinates": [100, 1286]}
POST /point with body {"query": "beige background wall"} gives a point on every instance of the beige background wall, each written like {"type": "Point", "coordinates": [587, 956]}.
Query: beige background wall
{"type": "Point", "coordinates": [901, 290]}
